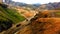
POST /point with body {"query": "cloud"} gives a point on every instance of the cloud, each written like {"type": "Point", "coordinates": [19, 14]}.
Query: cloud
{"type": "Point", "coordinates": [36, 1]}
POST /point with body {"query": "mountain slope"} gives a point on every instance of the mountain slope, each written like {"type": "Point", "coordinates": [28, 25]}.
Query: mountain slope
{"type": "Point", "coordinates": [50, 6]}
{"type": "Point", "coordinates": [8, 17]}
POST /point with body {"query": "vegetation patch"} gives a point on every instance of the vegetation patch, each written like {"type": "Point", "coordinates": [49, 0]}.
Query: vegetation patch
{"type": "Point", "coordinates": [8, 17]}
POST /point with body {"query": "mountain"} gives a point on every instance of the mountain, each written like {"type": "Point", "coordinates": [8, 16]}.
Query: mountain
{"type": "Point", "coordinates": [20, 4]}
{"type": "Point", "coordinates": [50, 6]}
{"type": "Point", "coordinates": [36, 4]}
{"type": "Point", "coordinates": [54, 5]}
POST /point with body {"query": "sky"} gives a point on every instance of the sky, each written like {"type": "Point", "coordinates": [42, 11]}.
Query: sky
{"type": "Point", "coordinates": [36, 1]}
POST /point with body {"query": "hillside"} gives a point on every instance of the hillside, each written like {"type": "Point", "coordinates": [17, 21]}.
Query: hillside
{"type": "Point", "coordinates": [20, 4]}
{"type": "Point", "coordinates": [50, 6]}
{"type": "Point", "coordinates": [42, 23]}
{"type": "Point", "coordinates": [26, 12]}
{"type": "Point", "coordinates": [8, 17]}
{"type": "Point", "coordinates": [21, 18]}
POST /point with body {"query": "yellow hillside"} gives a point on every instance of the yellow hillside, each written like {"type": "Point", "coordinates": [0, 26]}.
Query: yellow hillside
{"type": "Point", "coordinates": [26, 12]}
